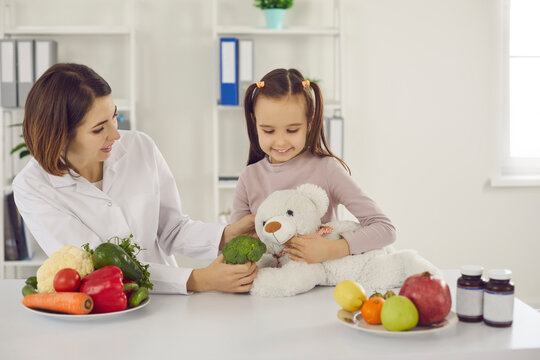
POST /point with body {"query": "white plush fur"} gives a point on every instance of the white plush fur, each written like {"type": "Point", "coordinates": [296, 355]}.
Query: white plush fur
{"type": "Point", "coordinates": [287, 213]}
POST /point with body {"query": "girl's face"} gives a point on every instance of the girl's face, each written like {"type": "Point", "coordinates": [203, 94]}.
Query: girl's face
{"type": "Point", "coordinates": [281, 126]}
{"type": "Point", "coordinates": [95, 135]}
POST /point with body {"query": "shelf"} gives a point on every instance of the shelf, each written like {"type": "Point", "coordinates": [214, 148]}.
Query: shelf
{"type": "Point", "coordinates": [79, 35]}
{"type": "Point", "coordinates": [246, 30]}
{"type": "Point", "coordinates": [37, 260]}
{"type": "Point", "coordinates": [69, 30]}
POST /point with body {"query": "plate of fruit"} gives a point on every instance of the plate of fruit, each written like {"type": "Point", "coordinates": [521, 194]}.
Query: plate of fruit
{"type": "Point", "coordinates": [422, 305]}
{"type": "Point", "coordinates": [81, 283]}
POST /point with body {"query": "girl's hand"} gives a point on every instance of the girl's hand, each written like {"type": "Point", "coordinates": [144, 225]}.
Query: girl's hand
{"type": "Point", "coordinates": [314, 248]}
{"type": "Point", "coordinates": [219, 276]}
{"type": "Point", "coordinates": [244, 226]}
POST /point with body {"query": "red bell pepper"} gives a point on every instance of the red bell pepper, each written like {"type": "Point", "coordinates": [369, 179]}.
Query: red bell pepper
{"type": "Point", "coordinates": [106, 288]}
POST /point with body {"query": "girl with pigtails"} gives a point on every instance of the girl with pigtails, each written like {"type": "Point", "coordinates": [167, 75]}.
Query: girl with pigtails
{"type": "Point", "coordinates": [284, 118]}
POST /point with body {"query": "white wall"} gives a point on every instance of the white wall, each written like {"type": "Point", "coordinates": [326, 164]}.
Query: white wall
{"type": "Point", "coordinates": [422, 108]}
{"type": "Point", "coordinates": [423, 88]}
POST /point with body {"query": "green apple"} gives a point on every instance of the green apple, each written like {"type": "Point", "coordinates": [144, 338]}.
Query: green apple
{"type": "Point", "coordinates": [399, 313]}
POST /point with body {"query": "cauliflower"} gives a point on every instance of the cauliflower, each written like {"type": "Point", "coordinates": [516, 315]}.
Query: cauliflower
{"type": "Point", "coordinates": [67, 257]}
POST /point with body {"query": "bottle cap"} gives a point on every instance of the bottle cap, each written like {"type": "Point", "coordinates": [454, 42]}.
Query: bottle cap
{"type": "Point", "coordinates": [500, 274]}
{"type": "Point", "coordinates": [472, 270]}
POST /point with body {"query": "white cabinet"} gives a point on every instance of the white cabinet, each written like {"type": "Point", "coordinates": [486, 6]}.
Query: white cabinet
{"type": "Point", "coordinates": [98, 33]}
{"type": "Point", "coordinates": [310, 42]}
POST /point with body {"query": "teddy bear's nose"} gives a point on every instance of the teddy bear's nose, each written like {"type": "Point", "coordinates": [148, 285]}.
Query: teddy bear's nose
{"type": "Point", "coordinates": [272, 227]}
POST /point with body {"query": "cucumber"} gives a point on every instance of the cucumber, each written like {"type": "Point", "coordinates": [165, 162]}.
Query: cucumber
{"type": "Point", "coordinates": [138, 295]}
{"type": "Point", "coordinates": [112, 254]}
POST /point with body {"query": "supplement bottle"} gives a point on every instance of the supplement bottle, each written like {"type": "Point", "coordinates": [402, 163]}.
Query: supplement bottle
{"type": "Point", "coordinates": [499, 298]}
{"type": "Point", "coordinates": [470, 294]}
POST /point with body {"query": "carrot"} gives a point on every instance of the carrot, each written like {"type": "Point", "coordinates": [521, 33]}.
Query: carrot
{"type": "Point", "coordinates": [66, 302]}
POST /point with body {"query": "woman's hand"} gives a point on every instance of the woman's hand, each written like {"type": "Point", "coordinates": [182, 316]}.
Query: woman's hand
{"type": "Point", "coordinates": [244, 226]}
{"type": "Point", "coordinates": [219, 276]}
{"type": "Point", "coordinates": [314, 248]}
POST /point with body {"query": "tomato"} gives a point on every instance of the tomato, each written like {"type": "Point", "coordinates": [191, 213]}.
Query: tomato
{"type": "Point", "coordinates": [67, 280]}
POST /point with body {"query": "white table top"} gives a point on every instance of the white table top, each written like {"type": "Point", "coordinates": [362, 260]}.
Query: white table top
{"type": "Point", "coordinates": [223, 326]}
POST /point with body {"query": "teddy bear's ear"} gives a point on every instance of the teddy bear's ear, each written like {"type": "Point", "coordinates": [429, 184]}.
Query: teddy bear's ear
{"type": "Point", "coordinates": [317, 195]}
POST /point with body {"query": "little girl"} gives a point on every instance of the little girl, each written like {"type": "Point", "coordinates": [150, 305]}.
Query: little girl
{"type": "Point", "coordinates": [288, 148]}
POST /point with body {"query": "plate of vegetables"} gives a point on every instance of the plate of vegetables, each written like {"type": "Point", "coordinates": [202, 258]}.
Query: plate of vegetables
{"type": "Point", "coordinates": [86, 284]}
{"type": "Point", "coordinates": [88, 316]}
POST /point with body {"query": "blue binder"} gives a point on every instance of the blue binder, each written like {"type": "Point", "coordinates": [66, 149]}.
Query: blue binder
{"type": "Point", "coordinates": [228, 48]}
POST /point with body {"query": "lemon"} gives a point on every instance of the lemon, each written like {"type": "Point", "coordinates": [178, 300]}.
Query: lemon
{"type": "Point", "coordinates": [350, 295]}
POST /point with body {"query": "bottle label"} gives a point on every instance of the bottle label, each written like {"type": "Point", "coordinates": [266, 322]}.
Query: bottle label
{"type": "Point", "coordinates": [469, 302]}
{"type": "Point", "coordinates": [498, 307]}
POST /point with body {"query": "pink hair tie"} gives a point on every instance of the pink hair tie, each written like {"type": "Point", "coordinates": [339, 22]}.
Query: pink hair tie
{"type": "Point", "coordinates": [260, 84]}
{"type": "Point", "coordinates": [305, 83]}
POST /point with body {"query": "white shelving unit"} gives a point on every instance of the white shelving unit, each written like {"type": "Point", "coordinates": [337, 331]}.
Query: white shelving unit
{"type": "Point", "coordinates": [107, 46]}
{"type": "Point", "coordinates": [319, 35]}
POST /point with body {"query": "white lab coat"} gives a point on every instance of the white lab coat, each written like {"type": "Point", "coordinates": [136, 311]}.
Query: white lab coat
{"type": "Point", "coordinates": [139, 197]}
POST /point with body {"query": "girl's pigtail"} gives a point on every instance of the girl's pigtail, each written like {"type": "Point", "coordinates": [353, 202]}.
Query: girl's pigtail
{"type": "Point", "coordinates": [317, 135]}
{"type": "Point", "coordinates": [255, 152]}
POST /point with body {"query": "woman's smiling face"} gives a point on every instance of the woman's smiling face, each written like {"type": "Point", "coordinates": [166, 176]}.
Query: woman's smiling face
{"type": "Point", "coordinates": [95, 135]}
{"type": "Point", "coordinates": [281, 126]}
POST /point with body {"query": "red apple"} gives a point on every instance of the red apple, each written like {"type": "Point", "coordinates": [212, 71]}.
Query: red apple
{"type": "Point", "coordinates": [431, 296]}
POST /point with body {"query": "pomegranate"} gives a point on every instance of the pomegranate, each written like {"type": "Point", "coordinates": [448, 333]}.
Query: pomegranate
{"type": "Point", "coordinates": [431, 296]}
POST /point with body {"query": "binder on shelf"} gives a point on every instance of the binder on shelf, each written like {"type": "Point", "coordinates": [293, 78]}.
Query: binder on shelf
{"type": "Point", "coordinates": [46, 55]}
{"type": "Point", "coordinates": [335, 134]}
{"type": "Point", "coordinates": [245, 66]}
{"type": "Point", "coordinates": [8, 74]}
{"type": "Point", "coordinates": [228, 49]}
{"type": "Point", "coordinates": [25, 69]}
{"type": "Point", "coordinates": [10, 243]}
{"type": "Point", "coordinates": [17, 227]}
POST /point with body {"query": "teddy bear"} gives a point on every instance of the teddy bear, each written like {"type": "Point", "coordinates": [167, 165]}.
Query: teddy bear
{"type": "Point", "coordinates": [287, 213]}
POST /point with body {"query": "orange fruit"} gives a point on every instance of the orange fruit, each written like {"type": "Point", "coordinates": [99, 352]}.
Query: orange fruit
{"type": "Point", "coordinates": [371, 310]}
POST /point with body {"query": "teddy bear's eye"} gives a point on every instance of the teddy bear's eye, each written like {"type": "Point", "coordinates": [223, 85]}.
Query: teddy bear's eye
{"type": "Point", "coordinates": [264, 223]}
{"type": "Point", "coordinates": [290, 212]}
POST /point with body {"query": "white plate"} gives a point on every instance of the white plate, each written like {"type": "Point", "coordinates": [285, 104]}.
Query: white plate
{"type": "Point", "coordinates": [87, 316]}
{"type": "Point", "coordinates": [356, 321]}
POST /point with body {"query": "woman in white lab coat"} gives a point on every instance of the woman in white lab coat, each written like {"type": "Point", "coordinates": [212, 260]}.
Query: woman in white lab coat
{"type": "Point", "coordinates": [88, 182]}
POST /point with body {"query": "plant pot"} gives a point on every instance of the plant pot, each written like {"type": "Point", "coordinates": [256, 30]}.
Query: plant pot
{"type": "Point", "coordinates": [274, 18]}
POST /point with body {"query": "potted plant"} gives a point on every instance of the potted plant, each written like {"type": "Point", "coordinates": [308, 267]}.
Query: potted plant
{"type": "Point", "coordinates": [274, 11]}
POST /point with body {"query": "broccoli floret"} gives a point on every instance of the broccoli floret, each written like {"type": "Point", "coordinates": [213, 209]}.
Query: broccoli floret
{"type": "Point", "coordinates": [242, 249]}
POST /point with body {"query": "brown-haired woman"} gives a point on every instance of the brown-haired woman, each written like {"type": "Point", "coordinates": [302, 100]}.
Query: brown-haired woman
{"type": "Point", "coordinates": [284, 119]}
{"type": "Point", "coordinates": [88, 182]}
